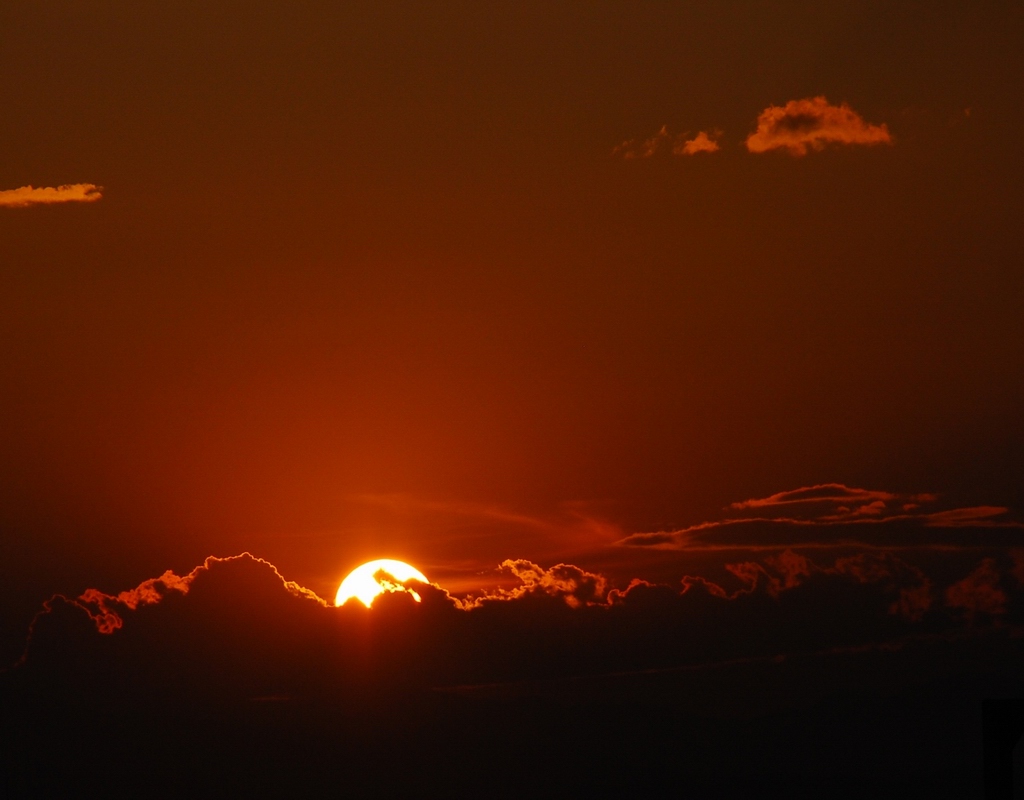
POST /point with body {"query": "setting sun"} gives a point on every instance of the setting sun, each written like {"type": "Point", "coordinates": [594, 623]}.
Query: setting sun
{"type": "Point", "coordinates": [363, 584]}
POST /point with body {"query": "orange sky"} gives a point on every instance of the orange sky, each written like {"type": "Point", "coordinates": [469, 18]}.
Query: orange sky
{"type": "Point", "coordinates": [376, 279]}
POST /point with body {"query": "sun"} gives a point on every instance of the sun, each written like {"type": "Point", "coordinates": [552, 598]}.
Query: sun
{"type": "Point", "coordinates": [362, 584]}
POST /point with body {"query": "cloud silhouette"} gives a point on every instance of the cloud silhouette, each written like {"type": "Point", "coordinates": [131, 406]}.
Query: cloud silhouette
{"type": "Point", "coordinates": [244, 681]}
{"type": "Point", "coordinates": [68, 193]}
{"type": "Point", "coordinates": [234, 627]}
{"type": "Point", "coordinates": [979, 592]}
{"type": "Point", "coordinates": [811, 124]}
{"type": "Point", "coordinates": [574, 585]}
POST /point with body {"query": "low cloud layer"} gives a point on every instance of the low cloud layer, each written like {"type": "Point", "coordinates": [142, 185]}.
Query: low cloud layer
{"type": "Point", "coordinates": [44, 195]}
{"type": "Point", "coordinates": [236, 627]}
{"type": "Point", "coordinates": [812, 124]}
{"type": "Point", "coordinates": [230, 676]}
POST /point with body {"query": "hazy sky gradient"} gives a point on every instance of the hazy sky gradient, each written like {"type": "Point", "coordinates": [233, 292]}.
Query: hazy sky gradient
{"type": "Point", "coordinates": [367, 280]}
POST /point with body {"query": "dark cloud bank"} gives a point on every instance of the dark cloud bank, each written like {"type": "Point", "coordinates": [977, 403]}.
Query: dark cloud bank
{"type": "Point", "coordinates": [850, 677]}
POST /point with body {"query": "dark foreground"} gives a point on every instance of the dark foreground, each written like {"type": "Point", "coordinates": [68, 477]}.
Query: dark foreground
{"type": "Point", "coordinates": [875, 724]}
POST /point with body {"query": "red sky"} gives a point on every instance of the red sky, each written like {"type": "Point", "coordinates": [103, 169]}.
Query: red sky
{"type": "Point", "coordinates": [377, 279]}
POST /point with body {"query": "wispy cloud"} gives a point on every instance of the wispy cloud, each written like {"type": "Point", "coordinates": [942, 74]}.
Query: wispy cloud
{"type": "Point", "coordinates": [677, 144]}
{"type": "Point", "coordinates": [833, 515]}
{"type": "Point", "coordinates": [821, 493]}
{"type": "Point", "coordinates": [811, 124]}
{"type": "Point", "coordinates": [44, 195]}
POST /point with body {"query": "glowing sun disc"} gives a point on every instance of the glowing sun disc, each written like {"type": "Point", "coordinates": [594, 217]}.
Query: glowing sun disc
{"type": "Point", "coordinates": [362, 584]}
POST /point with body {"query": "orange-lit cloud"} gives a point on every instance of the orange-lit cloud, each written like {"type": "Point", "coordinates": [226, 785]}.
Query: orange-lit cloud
{"type": "Point", "coordinates": [701, 143]}
{"type": "Point", "coordinates": [101, 607]}
{"type": "Point", "coordinates": [677, 144]}
{"type": "Point", "coordinates": [69, 193]}
{"type": "Point", "coordinates": [811, 124]}
{"type": "Point", "coordinates": [574, 585]}
{"type": "Point", "coordinates": [106, 610]}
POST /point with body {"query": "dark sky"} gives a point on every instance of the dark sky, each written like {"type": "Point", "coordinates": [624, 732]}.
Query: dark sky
{"type": "Point", "coordinates": [371, 279]}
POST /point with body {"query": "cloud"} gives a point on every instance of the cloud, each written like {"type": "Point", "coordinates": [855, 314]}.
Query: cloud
{"type": "Point", "coordinates": [971, 517]}
{"type": "Point", "coordinates": [101, 607]}
{"type": "Point", "coordinates": [812, 123]}
{"type": "Point", "coordinates": [821, 493]}
{"type": "Point", "coordinates": [979, 592]}
{"type": "Point", "coordinates": [701, 143]}
{"type": "Point", "coordinates": [247, 680]}
{"type": "Point", "coordinates": [833, 515]}
{"type": "Point", "coordinates": [642, 148]}
{"type": "Point", "coordinates": [574, 585]}
{"type": "Point", "coordinates": [107, 611]}
{"type": "Point", "coordinates": [913, 588]}
{"type": "Point", "coordinates": [677, 144]}
{"type": "Point", "coordinates": [1017, 554]}
{"type": "Point", "coordinates": [68, 193]}
{"type": "Point", "coordinates": [907, 586]}
{"type": "Point", "coordinates": [235, 627]}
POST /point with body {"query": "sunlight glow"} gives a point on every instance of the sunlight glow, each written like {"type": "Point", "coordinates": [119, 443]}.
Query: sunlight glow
{"type": "Point", "coordinates": [363, 582]}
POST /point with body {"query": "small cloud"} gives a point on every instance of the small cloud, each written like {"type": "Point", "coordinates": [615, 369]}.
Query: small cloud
{"type": "Point", "coordinates": [701, 143]}
{"type": "Point", "coordinates": [812, 123]}
{"type": "Point", "coordinates": [69, 193]}
{"type": "Point", "coordinates": [642, 148]}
